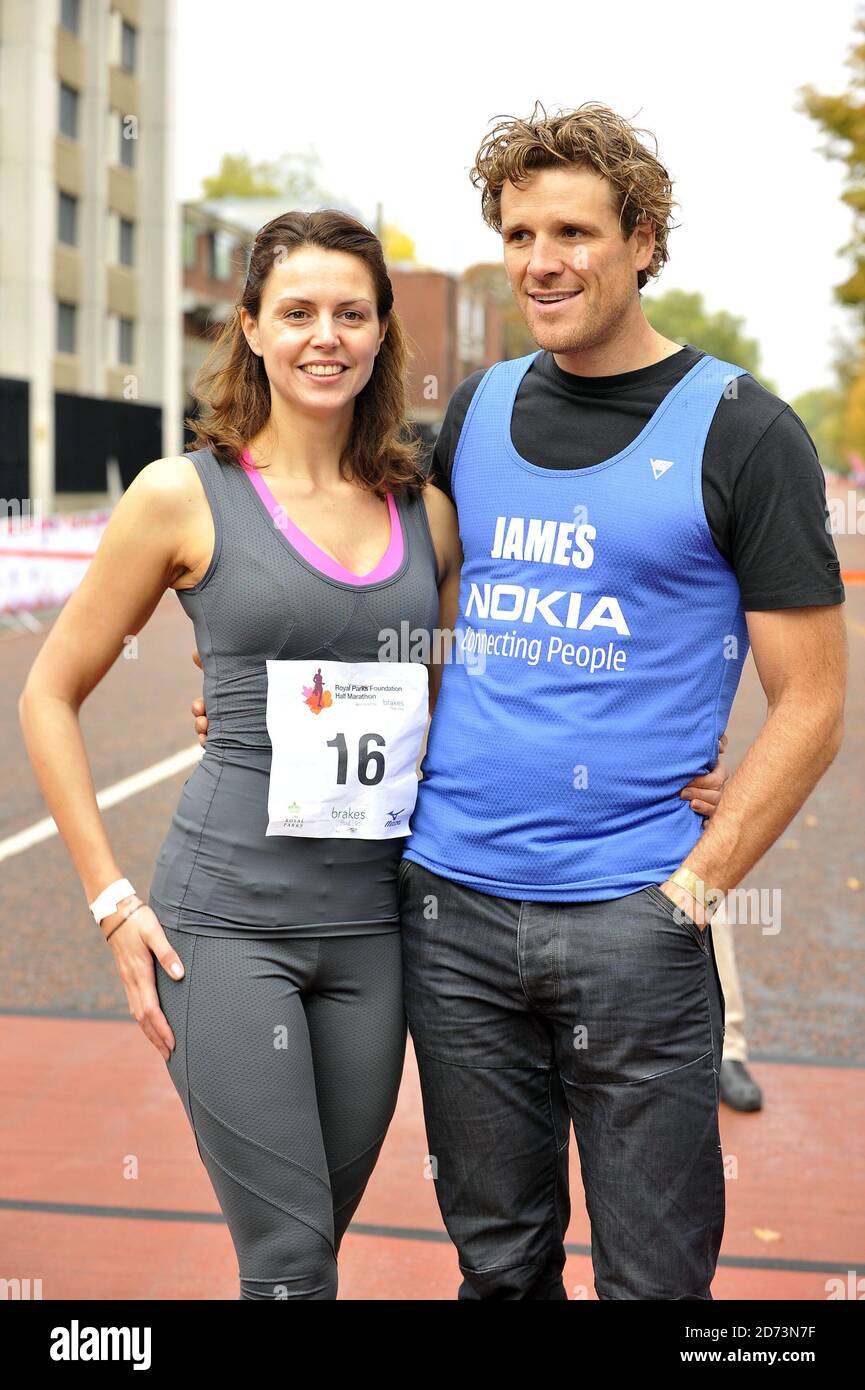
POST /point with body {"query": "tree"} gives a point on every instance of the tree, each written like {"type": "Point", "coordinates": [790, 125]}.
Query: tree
{"type": "Point", "coordinates": [841, 414]}
{"type": "Point", "coordinates": [684, 318]}
{"type": "Point", "coordinates": [294, 176]}
{"type": "Point", "coordinates": [822, 413]}
{"type": "Point", "coordinates": [842, 120]}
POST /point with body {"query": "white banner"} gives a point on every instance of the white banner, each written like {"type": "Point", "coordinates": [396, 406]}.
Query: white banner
{"type": "Point", "coordinates": [42, 561]}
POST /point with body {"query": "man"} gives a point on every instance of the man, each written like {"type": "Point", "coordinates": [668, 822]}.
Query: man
{"type": "Point", "coordinates": [634, 515]}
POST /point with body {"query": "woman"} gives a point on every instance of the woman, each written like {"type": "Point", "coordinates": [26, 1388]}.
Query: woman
{"type": "Point", "coordinates": [299, 531]}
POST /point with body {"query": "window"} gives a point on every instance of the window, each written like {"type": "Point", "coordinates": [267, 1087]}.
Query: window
{"type": "Point", "coordinates": [128, 128]}
{"type": "Point", "coordinates": [70, 15]}
{"type": "Point", "coordinates": [128, 47]}
{"type": "Point", "coordinates": [126, 244]}
{"type": "Point", "coordinates": [68, 111]}
{"type": "Point", "coordinates": [221, 252]}
{"type": "Point", "coordinates": [67, 219]}
{"type": "Point", "coordinates": [471, 326]}
{"type": "Point", "coordinates": [126, 340]}
{"type": "Point", "coordinates": [190, 246]}
{"type": "Point", "coordinates": [112, 236]}
{"type": "Point", "coordinates": [66, 316]}
{"type": "Point", "coordinates": [480, 325]}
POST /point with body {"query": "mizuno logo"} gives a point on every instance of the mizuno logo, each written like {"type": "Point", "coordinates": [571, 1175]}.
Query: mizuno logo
{"type": "Point", "coordinates": [660, 466]}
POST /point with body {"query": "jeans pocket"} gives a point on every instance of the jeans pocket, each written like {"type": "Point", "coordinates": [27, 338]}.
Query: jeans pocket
{"type": "Point", "coordinates": [677, 914]}
{"type": "Point", "coordinates": [402, 869]}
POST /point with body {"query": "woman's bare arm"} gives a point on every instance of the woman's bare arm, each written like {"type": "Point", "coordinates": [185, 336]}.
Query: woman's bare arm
{"type": "Point", "coordinates": [141, 553]}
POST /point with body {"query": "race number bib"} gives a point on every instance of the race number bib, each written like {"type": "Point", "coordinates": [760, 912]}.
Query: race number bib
{"type": "Point", "coordinates": [346, 738]}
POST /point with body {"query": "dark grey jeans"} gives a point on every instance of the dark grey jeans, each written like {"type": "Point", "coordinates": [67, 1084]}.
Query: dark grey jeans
{"type": "Point", "coordinates": [527, 1016]}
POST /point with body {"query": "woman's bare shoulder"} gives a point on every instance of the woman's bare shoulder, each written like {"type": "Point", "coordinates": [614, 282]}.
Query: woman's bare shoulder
{"type": "Point", "coordinates": [171, 479]}
{"type": "Point", "coordinates": [168, 498]}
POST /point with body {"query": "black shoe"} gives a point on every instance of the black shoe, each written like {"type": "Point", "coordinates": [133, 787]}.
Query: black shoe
{"type": "Point", "coordinates": [739, 1090]}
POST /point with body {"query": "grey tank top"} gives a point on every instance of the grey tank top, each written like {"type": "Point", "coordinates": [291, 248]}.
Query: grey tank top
{"type": "Point", "coordinates": [217, 873]}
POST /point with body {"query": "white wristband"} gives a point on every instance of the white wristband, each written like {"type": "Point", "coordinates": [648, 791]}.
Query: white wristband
{"type": "Point", "coordinates": [108, 899]}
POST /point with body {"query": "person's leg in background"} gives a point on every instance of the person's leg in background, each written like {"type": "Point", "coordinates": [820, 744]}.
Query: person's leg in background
{"type": "Point", "coordinates": [496, 1119]}
{"type": "Point", "coordinates": [639, 1031]}
{"type": "Point", "coordinates": [739, 1090]}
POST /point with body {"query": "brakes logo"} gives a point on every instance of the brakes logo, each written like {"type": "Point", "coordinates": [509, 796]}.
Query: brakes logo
{"type": "Point", "coordinates": [511, 603]}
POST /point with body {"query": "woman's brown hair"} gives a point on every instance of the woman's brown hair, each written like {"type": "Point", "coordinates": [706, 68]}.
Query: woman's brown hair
{"type": "Point", "coordinates": [593, 137]}
{"type": "Point", "coordinates": [232, 383]}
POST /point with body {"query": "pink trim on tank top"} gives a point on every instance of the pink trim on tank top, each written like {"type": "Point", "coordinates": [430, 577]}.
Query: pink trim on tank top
{"type": "Point", "coordinates": [312, 553]}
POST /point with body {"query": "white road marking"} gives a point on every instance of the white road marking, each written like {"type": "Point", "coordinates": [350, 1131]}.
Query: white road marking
{"type": "Point", "coordinates": [110, 796]}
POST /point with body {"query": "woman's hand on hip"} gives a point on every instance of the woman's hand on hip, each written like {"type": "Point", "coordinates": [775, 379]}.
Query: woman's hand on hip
{"type": "Point", "coordinates": [134, 944]}
{"type": "Point", "coordinates": [704, 793]}
{"type": "Point", "coordinates": [198, 707]}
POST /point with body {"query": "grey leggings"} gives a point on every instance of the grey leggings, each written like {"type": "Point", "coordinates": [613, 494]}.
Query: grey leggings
{"type": "Point", "coordinates": [288, 1061]}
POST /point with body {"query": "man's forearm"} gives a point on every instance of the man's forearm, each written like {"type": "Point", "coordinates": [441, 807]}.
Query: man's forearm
{"type": "Point", "coordinates": [783, 765]}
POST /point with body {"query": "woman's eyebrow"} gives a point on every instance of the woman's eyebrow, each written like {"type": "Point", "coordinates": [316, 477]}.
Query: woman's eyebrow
{"type": "Point", "coordinates": [296, 299]}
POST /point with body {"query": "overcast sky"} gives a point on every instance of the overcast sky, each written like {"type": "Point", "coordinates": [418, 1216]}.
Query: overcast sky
{"type": "Point", "coordinates": [396, 98]}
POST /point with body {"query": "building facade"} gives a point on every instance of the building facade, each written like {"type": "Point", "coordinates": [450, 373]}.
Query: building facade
{"type": "Point", "coordinates": [90, 377]}
{"type": "Point", "coordinates": [453, 330]}
{"type": "Point", "coordinates": [215, 256]}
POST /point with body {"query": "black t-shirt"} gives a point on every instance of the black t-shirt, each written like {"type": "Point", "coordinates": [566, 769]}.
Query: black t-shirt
{"type": "Point", "coordinates": [764, 491]}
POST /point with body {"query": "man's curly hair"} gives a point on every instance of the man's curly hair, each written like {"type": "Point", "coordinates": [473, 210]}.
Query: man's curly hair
{"type": "Point", "coordinates": [595, 137]}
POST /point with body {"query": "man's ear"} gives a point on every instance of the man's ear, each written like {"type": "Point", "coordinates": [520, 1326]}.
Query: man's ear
{"type": "Point", "coordinates": [644, 235]}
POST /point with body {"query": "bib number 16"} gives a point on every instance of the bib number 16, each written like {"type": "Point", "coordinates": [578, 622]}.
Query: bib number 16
{"type": "Point", "coordinates": [370, 762]}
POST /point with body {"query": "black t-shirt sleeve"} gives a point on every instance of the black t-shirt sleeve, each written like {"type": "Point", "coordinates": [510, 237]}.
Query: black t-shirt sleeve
{"type": "Point", "coordinates": [768, 516]}
{"type": "Point", "coordinates": [441, 460]}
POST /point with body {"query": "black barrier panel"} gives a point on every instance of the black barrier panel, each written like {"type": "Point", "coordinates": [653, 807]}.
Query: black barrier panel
{"type": "Point", "coordinates": [89, 430]}
{"type": "Point", "coordinates": [14, 439]}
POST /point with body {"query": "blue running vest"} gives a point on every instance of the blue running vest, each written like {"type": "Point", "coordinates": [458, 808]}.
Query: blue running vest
{"type": "Point", "coordinates": [599, 645]}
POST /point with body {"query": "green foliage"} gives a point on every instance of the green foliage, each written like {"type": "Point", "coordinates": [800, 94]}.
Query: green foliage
{"type": "Point", "coordinates": [822, 413]}
{"type": "Point", "coordinates": [842, 120]}
{"type": "Point", "coordinates": [840, 414]}
{"type": "Point", "coordinates": [294, 176]}
{"type": "Point", "coordinates": [683, 318]}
